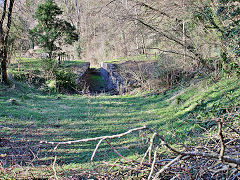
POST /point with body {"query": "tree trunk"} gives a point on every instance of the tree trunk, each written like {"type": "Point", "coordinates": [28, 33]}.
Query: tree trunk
{"type": "Point", "coordinates": [4, 39]}
{"type": "Point", "coordinates": [4, 70]}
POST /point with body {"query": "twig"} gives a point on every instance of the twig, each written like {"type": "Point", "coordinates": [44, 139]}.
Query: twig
{"type": "Point", "coordinates": [234, 173]}
{"type": "Point", "coordinates": [220, 133]}
{"type": "Point", "coordinates": [56, 147]}
{"type": "Point", "coordinates": [164, 160]}
{"type": "Point", "coordinates": [123, 167]}
{"type": "Point", "coordinates": [212, 155]}
{"type": "Point", "coordinates": [96, 138]}
{"type": "Point", "coordinates": [153, 164]}
{"type": "Point", "coordinates": [202, 154]}
{"type": "Point", "coordinates": [54, 170]}
{"type": "Point", "coordinates": [66, 174]}
{"type": "Point", "coordinates": [167, 166]}
{"type": "Point", "coordinates": [149, 149]}
{"type": "Point", "coordinates": [129, 160]}
{"type": "Point", "coordinates": [35, 156]}
{"type": "Point", "coordinates": [173, 52]}
{"type": "Point", "coordinates": [94, 152]}
{"type": "Point", "coordinates": [235, 176]}
{"type": "Point", "coordinates": [235, 130]}
{"type": "Point", "coordinates": [145, 155]}
{"type": "Point", "coordinates": [164, 143]}
{"type": "Point", "coordinates": [229, 142]}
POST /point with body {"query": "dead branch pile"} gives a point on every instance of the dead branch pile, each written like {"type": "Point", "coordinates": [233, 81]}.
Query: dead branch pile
{"type": "Point", "coordinates": [216, 157]}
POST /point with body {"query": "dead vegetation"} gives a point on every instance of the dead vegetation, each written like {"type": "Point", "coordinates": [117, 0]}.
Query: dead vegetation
{"type": "Point", "coordinates": [154, 75]}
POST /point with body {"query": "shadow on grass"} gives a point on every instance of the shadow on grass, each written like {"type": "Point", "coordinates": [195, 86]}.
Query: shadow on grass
{"type": "Point", "coordinates": [43, 117]}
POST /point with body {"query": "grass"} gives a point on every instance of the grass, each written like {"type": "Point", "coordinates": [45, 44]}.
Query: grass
{"type": "Point", "coordinates": [25, 64]}
{"type": "Point", "coordinates": [33, 64]}
{"type": "Point", "coordinates": [67, 64]}
{"type": "Point", "coordinates": [38, 116]}
{"type": "Point", "coordinates": [37, 71]}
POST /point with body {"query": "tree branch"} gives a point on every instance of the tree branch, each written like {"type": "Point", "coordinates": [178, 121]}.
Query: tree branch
{"type": "Point", "coordinates": [124, 167]}
{"type": "Point", "coordinates": [167, 166]}
{"type": "Point", "coordinates": [94, 152]}
{"type": "Point", "coordinates": [220, 133]}
{"type": "Point", "coordinates": [153, 164]}
{"type": "Point", "coordinates": [163, 142]}
{"type": "Point", "coordinates": [129, 160]}
{"type": "Point", "coordinates": [96, 138]}
{"type": "Point", "coordinates": [202, 154]}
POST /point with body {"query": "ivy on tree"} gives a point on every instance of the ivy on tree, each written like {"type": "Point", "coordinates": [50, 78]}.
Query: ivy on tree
{"type": "Point", "coordinates": [52, 31]}
{"type": "Point", "coordinates": [227, 23]}
{"type": "Point", "coordinates": [229, 12]}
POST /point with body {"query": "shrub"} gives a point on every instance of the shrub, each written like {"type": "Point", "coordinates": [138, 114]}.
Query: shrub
{"type": "Point", "coordinates": [65, 81]}
{"type": "Point", "coordinates": [49, 66]}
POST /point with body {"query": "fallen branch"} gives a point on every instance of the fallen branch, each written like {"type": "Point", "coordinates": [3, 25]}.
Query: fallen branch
{"type": "Point", "coordinates": [163, 142]}
{"type": "Point", "coordinates": [235, 176]}
{"type": "Point", "coordinates": [167, 166]}
{"type": "Point", "coordinates": [220, 133]}
{"type": "Point", "coordinates": [234, 130]}
{"type": "Point", "coordinates": [207, 154]}
{"type": "Point", "coordinates": [96, 138]}
{"type": "Point", "coordinates": [128, 160]}
{"type": "Point", "coordinates": [149, 149]}
{"type": "Point", "coordinates": [94, 152]}
{"type": "Point", "coordinates": [229, 142]}
{"type": "Point", "coordinates": [202, 154]}
{"type": "Point", "coordinates": [153, 164]}
{"type": "Point", "coordinates": [212, 155]}
{"type": "Point", "coordinates": [53, 167]}
{"type": "Point", "coordinates": [124, 167]}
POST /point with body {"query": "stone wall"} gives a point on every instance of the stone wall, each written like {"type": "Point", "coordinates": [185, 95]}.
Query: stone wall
{"type": "Point", "coordinates": [127, 75]}
{"type": "Point", "coordinates": [112, 78]}
{"type": "Point", "coordinates": [80, 71]}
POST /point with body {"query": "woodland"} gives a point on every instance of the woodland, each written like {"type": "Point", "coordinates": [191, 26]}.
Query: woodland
{"type": "Point", "coordinates": [120, 89]}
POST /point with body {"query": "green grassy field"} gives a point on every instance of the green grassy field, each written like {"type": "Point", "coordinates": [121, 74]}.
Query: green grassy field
{"type": "Point", "coordinates": [25, 64]}
{"type": "Point", "coordinates": [33, 64]}
{"type": "Point", "coordinates": [28, 116]}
